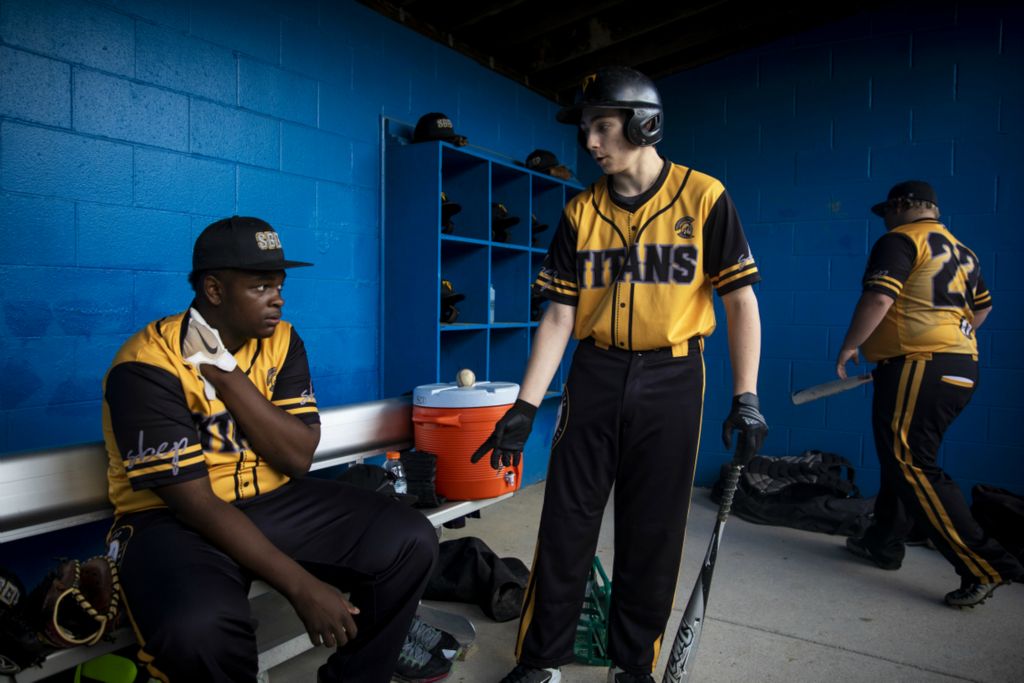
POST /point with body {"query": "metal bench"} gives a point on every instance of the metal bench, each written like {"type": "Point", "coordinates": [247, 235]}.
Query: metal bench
{"type": "Point", "coordinates": [44, 491]}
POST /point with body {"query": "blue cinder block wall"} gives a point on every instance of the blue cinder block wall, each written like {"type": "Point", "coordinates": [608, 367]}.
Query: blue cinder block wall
{"type": "Point", "coordinates": [125, 128]}
{"type": "Point", "coordinates": [807, 133]}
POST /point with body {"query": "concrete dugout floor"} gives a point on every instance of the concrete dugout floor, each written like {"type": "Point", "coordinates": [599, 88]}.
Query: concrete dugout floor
{"type": "Point", "coordinates": [785, 605]}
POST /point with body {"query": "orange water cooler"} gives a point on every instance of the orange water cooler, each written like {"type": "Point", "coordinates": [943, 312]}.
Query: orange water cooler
{"type": "Point", "coordinates": [451, 422]}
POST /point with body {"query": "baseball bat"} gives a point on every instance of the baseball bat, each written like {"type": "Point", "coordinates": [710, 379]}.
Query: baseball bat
{"type": "Point", "coordinates": [828, 389]}
{"type": "Point", "coordinates": [684, 647]}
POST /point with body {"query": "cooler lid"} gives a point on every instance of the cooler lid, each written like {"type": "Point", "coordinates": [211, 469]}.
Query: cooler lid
{"type": "Point", "coordinates": [478, 395]}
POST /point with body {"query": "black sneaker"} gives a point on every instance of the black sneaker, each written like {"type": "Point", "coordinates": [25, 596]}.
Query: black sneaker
{"type": "Point", "coordinates": [439, 642]}
{"type": "Point", "coordinates": [859, 548]}
{"type": "Point", "coordinates": [971, 593]}
{"type": "Point", "coordinates": [416, 664]}
{"type": "Point", "coordinates": [529, 674]}
{"type": "Point", "coordinates": [617, 675]}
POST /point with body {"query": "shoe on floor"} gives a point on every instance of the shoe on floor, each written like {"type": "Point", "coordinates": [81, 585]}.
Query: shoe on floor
{"type": "Point", "coordinates": [439, 642]}
{"type": "Point", "coordinates": [859, 548]}
{"type": "Point", "coordinates": [529, 674]}
{"type": "Point", "coordinates": [416, 664]}
{"type": "Point", "coordinates": [971, 593]}
{"type": "Point", "coordinates": [617, 675]}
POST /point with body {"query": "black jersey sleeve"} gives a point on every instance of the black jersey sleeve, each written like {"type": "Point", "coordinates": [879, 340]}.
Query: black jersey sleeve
{"type": "Point", "coordinates": [982, 297]}
{"type": "Point", "coordinates": [557, 280]}
{"type": "Point", "coordinates": [889, 265]}
{"type": "Point", "coordinates": [293, 388]}
{"type": "Point", "coordinates": [728, 262]}
{"type": "Point", "coordinates": [154, 429]}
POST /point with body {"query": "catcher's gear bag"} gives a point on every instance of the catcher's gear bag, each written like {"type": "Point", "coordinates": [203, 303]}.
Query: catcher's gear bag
{"type": "Point", "coordinates": [20, 647]}
{"type": "Point", "coordinates": [77, 603]}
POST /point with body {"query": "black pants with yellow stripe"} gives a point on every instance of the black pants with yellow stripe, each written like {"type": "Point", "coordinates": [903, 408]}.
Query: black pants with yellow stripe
{"type": "Point", "coordinates": [187, 600]}
{"type": "Point", "coordinates": [632, 420]}
{"type": "Point", "coordinates": [916, 399]}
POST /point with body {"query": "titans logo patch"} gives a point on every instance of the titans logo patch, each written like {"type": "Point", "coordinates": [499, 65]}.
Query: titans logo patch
{"type": "Point", "coordinates": [684, 227]}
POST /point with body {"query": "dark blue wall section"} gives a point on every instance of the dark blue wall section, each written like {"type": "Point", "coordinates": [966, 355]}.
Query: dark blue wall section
{"type": "Point", "coordinates": [126, 127]}
{"type": "Point", "coordinates": [807, 133]}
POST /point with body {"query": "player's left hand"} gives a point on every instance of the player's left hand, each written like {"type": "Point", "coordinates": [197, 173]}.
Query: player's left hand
{"type": "Point", "coordinates": [509, 437]}
{"type": "Point", "coordinates": [746, 418]}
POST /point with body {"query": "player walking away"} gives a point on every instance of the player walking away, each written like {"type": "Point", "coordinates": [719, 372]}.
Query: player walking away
{"type": "Point", "coordinates": [210, 423]}
{"type": "Point", "coordinates": [630, 273]}
{"type": "Point", "coordinates": [923, 299]}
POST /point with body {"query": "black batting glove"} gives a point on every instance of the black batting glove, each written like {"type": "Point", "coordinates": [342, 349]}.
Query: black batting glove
{"type": "Point", "coordinates": [746, 418]}
{"type": "Point", "coordinates": [509, 436]}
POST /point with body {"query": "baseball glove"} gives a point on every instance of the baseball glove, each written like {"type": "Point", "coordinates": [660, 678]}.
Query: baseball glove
{"type": "Point", "coordinates": [77, 603]}
{"type": "Point", "coordinates": [20, 647]}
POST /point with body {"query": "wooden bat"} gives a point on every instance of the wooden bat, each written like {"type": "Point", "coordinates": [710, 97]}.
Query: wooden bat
{"type": "Point", "coordinates": [828, 388]}
{"type": "Point", "coordinates": [684, 647]}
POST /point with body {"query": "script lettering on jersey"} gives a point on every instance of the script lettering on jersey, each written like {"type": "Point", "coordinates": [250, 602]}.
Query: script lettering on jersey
{"type": "Point", "coordinates": [147, 453]}
{"type": "Point", "coordinates": [656, 264]}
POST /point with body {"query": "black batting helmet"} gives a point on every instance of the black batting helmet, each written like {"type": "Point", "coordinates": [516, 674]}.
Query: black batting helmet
{"type": "Point", "coordinates": [619, 87]}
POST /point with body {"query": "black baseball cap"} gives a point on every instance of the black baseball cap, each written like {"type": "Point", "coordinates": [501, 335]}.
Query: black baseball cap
{"type": "Point", "coordinates": [437, 126]}
{"type": "Point", "coordinates": [241, 243]}
{"type": "Point", "coordinates": [541, 160]}
{"type": "Point", "coordinates": [908, 189]}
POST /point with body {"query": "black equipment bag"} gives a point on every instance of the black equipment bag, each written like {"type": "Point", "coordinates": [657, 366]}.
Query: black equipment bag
{"type": "Point", "coordinates": [1001, 514]}
{"type": "Point", "coordinates": [814, 491]}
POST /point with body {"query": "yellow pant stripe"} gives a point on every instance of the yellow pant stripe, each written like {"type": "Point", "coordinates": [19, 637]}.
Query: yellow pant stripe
{"type": "Point", "coordinates": [913, 373]}
{"type": "Point", "coordinates": [528, 602]}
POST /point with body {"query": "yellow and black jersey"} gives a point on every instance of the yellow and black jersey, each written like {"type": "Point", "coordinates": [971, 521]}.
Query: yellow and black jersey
{"type": "Point", "coordinates": [160, 428]}
{"type": "Point", "coordinates": [641, 270]}
{"type": "Point", "coordinates": [937, 286]}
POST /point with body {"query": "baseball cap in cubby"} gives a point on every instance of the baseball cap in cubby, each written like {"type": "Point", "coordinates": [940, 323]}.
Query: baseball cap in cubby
{"type": "Point", "coordinates": [437, 126]}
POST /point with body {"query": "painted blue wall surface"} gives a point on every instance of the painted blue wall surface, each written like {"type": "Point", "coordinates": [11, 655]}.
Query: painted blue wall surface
{"type": "Point", "coordinates": [806, 134]}
{"type": "Point", "coordinates": [127, 127]}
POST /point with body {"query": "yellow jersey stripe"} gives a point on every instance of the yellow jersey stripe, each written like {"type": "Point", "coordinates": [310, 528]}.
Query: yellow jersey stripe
{"type": "Point", "coordinates": [884, 285]}
{"type": "Point", "coordinates": [737, 276]}
{"type": "Point", "coordinates": [561, 290]}
{"type": "Point", "coordinates": [146, 469]}
{"type": "Point", "coordinates": [728, 274]}
{"type": "Point", "coordinates": [301, 411]}
{"type": "Point", "coordinates": [545, 278]}
{"type": "Point", "coordinates": [301, 400]}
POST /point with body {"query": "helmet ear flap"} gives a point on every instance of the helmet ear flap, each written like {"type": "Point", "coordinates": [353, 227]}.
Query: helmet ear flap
{"type": "Point", "coordinates": [644, 127]}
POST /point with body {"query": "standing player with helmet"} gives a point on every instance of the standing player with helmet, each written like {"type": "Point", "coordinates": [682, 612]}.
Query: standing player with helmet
{"type": "Point", "coordinates": [630, 272]}
{"type": "Point", "coordinates": [923, 299]}
{"type": "Point", "coordinates": [210, 424]}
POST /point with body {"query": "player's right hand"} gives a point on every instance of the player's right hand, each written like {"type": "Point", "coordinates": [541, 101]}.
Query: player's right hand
{"type": "Point", "coordinates": [844, 356]}
{"type": "Point", "coordinates": [509, 436]}
{"type": "Point", "coordinates": [203, 346]}
{"type": "Point", "coordinates": [327, 615]}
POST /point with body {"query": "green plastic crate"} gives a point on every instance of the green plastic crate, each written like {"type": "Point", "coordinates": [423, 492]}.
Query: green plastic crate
{"type": "Point", "coordinates": [591, 645]}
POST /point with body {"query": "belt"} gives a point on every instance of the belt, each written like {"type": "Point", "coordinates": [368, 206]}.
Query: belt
{"type": "Point", "coordinates": [691, 345]}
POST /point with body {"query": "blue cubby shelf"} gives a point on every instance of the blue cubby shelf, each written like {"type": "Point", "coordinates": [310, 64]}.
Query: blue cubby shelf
{"type": "Point", "coordinates": [416, 347]}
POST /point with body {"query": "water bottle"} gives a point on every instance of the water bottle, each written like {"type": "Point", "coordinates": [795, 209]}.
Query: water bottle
{"type": "Point", "coordinates": [393, 466]}
{"type": "Point", "coordinates": [490, 305]}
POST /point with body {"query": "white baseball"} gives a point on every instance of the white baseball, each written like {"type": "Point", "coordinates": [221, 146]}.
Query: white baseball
{"type": "Point", "coordinates": [465, 378]}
